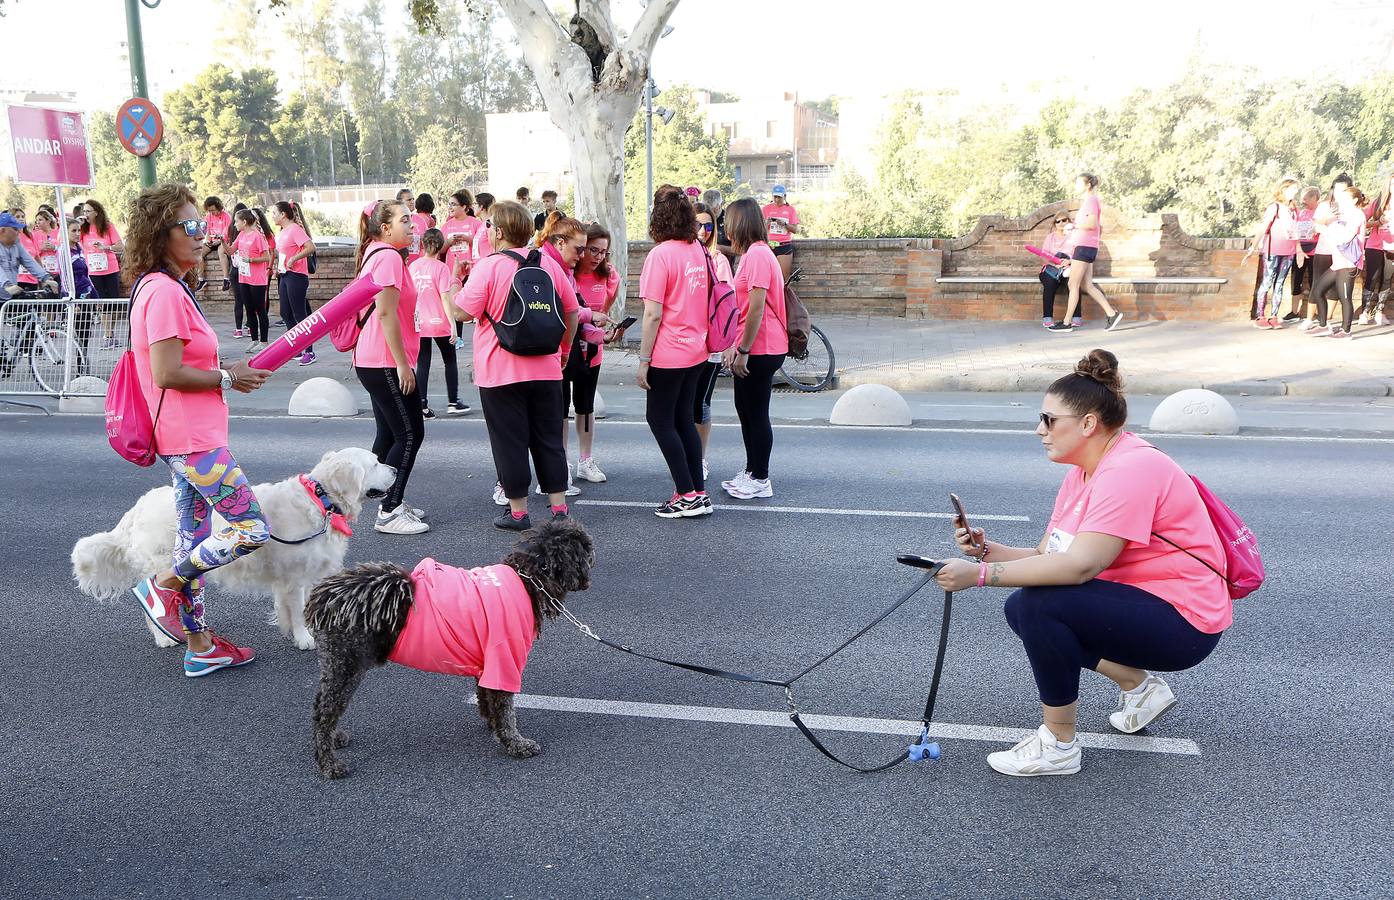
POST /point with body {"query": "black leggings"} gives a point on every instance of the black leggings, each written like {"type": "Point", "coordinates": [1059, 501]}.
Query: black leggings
{"type": "Point", "coordinates": [452, 370]}
{"type": "Point", "coordinates": [521, 418]}
{"type": "Point", "coordinates": [753, 407]}
{"type": "Point", "coordinates": [1049, 288]}
{"type": "Point", "coordinates": [239, 300]}
{"type": "Point", "coordinates": [668, 410]}
{"type": "Point", "coordinates": [400, 427]}
{"type": "Point", "coordinates": [706, 387]}
{"type": "Point", "coordinates": [295, 304]}
{"type": "Point", "coordinates": [258, 319]}
{"type": "Point", "coordinates": [1377, 274]}
{"type": "Point", "coordinates": [578, 385]}
{"type": "Point", "coordinates": [1340, 282]}
{"type": "Point", "coordinates": [1068, 628]}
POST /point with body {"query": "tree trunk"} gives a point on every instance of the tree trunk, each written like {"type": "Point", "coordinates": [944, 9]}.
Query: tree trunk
{"type": "Point", "coordinates": [596, 141]}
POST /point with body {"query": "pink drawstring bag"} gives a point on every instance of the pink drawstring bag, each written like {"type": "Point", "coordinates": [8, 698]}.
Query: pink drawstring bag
{"type": "Point", "coordinates": [128, 427]}
{"type": "Point", "coordinates": [1244, 572]}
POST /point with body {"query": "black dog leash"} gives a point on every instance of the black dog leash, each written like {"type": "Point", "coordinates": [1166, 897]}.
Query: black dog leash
{"type": "Point", "coordinates": [921, 749]}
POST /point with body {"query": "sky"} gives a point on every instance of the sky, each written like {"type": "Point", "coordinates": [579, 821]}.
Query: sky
{"type": "Point", "coordinates": [812, 47]}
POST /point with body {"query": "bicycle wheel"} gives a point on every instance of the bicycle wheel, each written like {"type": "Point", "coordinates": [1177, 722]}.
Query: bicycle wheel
{"type": "Point", "coordinates": [814, 370]}
{"type": "Point", "coordinates": [48, 357]}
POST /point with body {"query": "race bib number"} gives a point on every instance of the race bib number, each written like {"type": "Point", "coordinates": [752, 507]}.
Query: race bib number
{"type": "Point", "coordinates": [778, 228]}
{"type": "Point", "coordinates": [1059, 541]}
{"type": "Point", "coordinates": [415, 243]}
{"type": "Point", "coordinates": [1306, 230]}
{"type": "Point", "coordinates": [51, 264]}
{"type": "Point", "coordinates": [244, 268]}
{"type": "Point", "coordinates": [97, 261]}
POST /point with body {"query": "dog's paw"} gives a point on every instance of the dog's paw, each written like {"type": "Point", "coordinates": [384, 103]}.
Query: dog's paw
{"type": "Point", "coordinates": [164, 641]}
{"type": "Point", "coordinates": [523, 748]}
{"type": "Point", "coordinates": [304, 640]}
{"type": "Point", "coordinates": [341, 739]}
{"type": "Point", "coordinates": [334, 768]}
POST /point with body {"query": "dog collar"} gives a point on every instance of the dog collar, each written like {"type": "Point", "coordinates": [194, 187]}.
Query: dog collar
{"type": "Point", "coordinates": [337, 520]}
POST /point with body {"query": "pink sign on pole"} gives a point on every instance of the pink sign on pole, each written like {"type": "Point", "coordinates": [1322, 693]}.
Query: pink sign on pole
{"type": "Point", "coordinates": [49, 146]}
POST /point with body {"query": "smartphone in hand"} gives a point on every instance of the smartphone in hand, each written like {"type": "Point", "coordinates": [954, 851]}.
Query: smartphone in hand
{"type": "Point", "coordinates": [961, 518]}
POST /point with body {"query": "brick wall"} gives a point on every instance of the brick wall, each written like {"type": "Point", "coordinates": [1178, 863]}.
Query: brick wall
{"type": "Point", "coordinates": [898, 277]}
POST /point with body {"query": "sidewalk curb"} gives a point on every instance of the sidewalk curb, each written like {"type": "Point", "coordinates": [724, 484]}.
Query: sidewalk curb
{"type": "Point", "coordinates": [1028, 382]}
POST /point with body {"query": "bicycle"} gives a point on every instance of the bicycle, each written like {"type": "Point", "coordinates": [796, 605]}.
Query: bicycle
{"type": "Point", "coordinates": [28, 333]}
{"type": "Point", "coordinates": [813, 370]}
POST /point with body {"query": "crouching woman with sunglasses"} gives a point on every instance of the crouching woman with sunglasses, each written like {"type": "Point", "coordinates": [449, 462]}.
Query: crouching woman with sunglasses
{"type": "Point", "coordinates": [1108, 588]}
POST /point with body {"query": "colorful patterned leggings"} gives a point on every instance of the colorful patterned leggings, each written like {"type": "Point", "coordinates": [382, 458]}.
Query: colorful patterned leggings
{"type": "Point", "coordinates": [201, 479]}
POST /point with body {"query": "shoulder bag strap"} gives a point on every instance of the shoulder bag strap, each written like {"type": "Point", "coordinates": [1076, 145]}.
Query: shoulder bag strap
{"type": "Point", "coordinates": [368, 310]}
{"type": "Point", "coordinates": [522, 261]}
{"type": "Point", "coordinates": [1183, 549]}
{"type": "Point", "coordinates": [130, 326]}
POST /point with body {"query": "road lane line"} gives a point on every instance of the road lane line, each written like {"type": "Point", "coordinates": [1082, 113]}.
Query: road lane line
{"type": "Point", "coordinates": [768, 719]}
{"type": "Point", "coordinates": [813, 510]}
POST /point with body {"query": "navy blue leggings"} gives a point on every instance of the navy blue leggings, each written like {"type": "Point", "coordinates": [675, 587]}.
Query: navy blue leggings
{"type": "Point", "coordinates": [1069, 628]}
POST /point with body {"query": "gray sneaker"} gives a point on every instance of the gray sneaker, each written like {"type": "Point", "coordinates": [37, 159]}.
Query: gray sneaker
{"type": "Point", "coordinates": [400, 521]}
{"type": "Point", "coordinates": [1138, 709]}
{"type": "Point", "coordinates": [1114, 321]}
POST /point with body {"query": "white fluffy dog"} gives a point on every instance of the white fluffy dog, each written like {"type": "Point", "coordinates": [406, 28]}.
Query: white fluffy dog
{"type": "Point", "coordinates": [106, 565]}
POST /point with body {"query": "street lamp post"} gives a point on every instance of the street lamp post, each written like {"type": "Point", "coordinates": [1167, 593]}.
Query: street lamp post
{"type": "Point", "coordinates": [665, 115]}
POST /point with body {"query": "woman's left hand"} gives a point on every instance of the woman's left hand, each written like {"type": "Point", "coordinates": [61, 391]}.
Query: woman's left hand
{"type": "Point", "coordinates": [643, 377]}
{"type": "Point", "coordinates": [957, 575]}
{"type": "Point", "coordinates": [600, 320]}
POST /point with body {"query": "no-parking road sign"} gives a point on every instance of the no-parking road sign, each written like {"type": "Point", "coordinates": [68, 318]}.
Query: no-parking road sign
{"type": "Point", "coordinates": [139, 127]}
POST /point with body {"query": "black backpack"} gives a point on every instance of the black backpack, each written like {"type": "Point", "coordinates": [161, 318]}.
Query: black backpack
{"type": "Point", "coordinates": [531, 324]}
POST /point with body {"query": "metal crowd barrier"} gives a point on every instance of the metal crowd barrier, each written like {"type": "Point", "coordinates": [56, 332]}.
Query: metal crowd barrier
{"type": "Point", "coordinates": [47, 345]}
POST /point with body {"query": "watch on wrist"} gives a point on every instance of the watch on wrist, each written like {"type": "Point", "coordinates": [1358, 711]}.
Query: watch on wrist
{"type": "Point", "coordinates": [226, 383]}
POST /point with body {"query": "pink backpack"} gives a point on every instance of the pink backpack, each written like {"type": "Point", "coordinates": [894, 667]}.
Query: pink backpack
{"type": "Point", "coordinates": [723, 314]}
{"type": "Point", "coordinates": [344, 336]}
{"type": "Point", "coordinates": [1240, 545]}
{"type": "Point", "coordinates": [129, 429]}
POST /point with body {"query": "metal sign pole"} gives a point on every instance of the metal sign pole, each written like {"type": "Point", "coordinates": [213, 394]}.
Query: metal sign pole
{"type": "Point", "coordinates": [65, 261]}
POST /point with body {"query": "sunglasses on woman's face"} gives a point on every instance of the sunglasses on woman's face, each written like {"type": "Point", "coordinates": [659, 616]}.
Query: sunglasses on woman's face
{"type": "Point", "coordinates": [1049, 419]}
{"type": "Point", "coordinates": [598, 251]}
{"type": "Point", "coordinates": [706, 226]}
{"type": "Point", "coordinates": [194, 228]}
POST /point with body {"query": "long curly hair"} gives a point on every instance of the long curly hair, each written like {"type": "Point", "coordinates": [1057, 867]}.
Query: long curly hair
{"type": "Point", "coordinates": [152, 215]}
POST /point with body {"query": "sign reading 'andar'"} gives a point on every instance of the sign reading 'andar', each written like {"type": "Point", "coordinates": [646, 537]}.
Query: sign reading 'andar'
{"type": "Point", "coordinates": [49, 146]}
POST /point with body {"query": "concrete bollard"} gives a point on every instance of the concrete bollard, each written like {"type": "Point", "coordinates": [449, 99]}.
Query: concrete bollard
{"type": "Point", "coordinates": [91, 399]}
{"type": "Point", "coordinates": [599, 406]}
{"type": "Point", "coordinates": [1195, 411]}
{"type": "Point", "coordinates": [870, 404]}
{"type": "Point", "coordinates": [322, 397]}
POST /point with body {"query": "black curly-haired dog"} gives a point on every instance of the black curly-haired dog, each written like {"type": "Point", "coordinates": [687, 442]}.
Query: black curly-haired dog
{"type": "Point", "coordinates": [358, 616]}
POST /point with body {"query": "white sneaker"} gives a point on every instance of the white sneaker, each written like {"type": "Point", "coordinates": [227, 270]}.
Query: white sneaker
{"type": "Point", "coordinates": [706, 472]}
{"type": "Point", "coordinates": [1304, 324]}
{"type": "Point", "coordinates": [740, 480]}
{"type": "Point", "coordinates": [1380, 318]}
{"type": "Point", "coordinates": [1038, 754]}
{"type": "Point", "coordinates": [1138, 709]}
{"type": "Point", "coordinates": [588, 470]}
{"type": "Point", "coordinates": [400, 521]}
{"type": "Point", "coordinates": [418, 513]}
{"type": "Point", "coordinates": [1364, 318]}
{"type": "Point", "coordinates": [499, 498]}
{"type": "Point", "coordinates": [571, 489]}
{"type": "Point", "coordinates": [751, 488]}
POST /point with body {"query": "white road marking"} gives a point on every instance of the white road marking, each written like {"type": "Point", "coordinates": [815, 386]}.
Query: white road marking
{"type": "Point", "coordinates": [813, 510]}
{"type": "Point", "coordinates": [770, 719]}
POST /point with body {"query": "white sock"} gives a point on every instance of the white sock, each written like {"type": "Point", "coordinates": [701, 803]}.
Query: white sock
{"type": "Point", "coordinates": [1063, 745]}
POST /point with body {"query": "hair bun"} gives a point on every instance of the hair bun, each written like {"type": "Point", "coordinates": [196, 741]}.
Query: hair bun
{"type": "Point", "coordinates": [1101, 366]}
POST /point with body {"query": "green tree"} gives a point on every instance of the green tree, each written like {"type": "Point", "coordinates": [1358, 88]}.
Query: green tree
{"type": "Point", "coordinates": [382, 131]}
{"type": "Point", "coordinates": [223, 128]}
{"type": "Point", "coordinates": [440, 167]}
{"type": "Point", "coordinates": [684, 153]}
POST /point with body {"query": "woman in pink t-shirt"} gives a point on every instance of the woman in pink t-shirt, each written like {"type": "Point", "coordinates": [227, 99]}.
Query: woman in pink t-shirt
{"type": "Point", "coordinates": [46, 238]}
{"type": "Point", "coordinates": [384, 358]}
{"type": "Point", "coordinates": [707, 229]}
{"type": "Point", "coordinates": [597, 286]}
{"type": "Point", "coordinates": [673, 351]}
{"type": "Point", "coordinates": [483, 235]}
{"type": "Point", "coordinates": [1108, 587]}
{"type": "Point", "coordinates": [436, 283]}
{"type": "Point", "coordinates": [100, 244]}
{"type": "Point", "coordinates": [216, 221]}
{"type": "Point", "coordinates": [520, 395]}
{"type": "Point", "coordinates": [251, 257]}
{"type": "Point", "coordinates": [761, 347]}
{"type": "Point", "coordinates": [459, 228]}
{"type": "Point", "coordinates": [293, 249]}
{"type": "Point", "coordinates": [424, 218]}
{"type": "Point", "coordinates": [1276, 241]}
{"type": "Point", "coordinates": [1088, 230]}
{"type": "Point", "coordinates": [176, 361]}
{"type": "Point", "coordinates": [1379, 256]}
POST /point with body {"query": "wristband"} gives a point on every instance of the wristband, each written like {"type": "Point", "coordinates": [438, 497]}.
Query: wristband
{"type": "Point", "coordinates": [742, 352]}
{"type": "Point", "coordinates": [646, 359]}
{"type": "Point", "coordinates": [982, 574]}
{"type": "Point", "coordinates": [982, 557]}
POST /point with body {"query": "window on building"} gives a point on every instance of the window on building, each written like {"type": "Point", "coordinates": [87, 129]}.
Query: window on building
{"type": "Point", "coordinates": [771, 128]}
{"type": "Point", "coordinates": [739, 175]}
{"type": "Point", "coordinates": [772, 172]}
{"type": "Point", "coordinates": [732, 130]}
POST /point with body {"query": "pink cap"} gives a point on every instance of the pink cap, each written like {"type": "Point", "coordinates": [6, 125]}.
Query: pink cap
{"type": "Point", "coordinates": [694, 192]}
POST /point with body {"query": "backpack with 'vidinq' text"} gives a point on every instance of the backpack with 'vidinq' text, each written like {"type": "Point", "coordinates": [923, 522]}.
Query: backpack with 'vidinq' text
{"type": "Point", "coordinates": [531, 323]}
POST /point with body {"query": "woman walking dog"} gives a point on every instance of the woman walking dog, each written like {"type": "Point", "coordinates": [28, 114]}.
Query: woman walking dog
{"type": "Point", "coordinates": [176, 353]}
{"type": "Point", "coordinates": [1108, 587]}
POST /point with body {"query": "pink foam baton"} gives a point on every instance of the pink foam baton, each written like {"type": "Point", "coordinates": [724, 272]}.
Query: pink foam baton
{"type": "Point", "coordinates": [350, 301]}
{"type": "Point", "coordinates": [1048, 257]}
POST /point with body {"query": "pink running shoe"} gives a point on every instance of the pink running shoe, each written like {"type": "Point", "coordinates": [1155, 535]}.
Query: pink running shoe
{"type": "Point", "coordinates": [224, 654]}
{"type": "Point", "coordinates": [161, 605]}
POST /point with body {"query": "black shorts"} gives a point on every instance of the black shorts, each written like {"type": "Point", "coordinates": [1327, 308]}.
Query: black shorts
{"type": "Point", "coordinates": [1085, 254]}
{"type": "Point", "coordinates": [784, 249]}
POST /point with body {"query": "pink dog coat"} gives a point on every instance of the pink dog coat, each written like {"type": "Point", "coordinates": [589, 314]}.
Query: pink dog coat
{"type": "Point", "coordinates": [475, 622]}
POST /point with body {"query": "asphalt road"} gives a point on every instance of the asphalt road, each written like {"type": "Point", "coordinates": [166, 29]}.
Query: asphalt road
{"type": "Point", "coordinates": [124, 779]}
